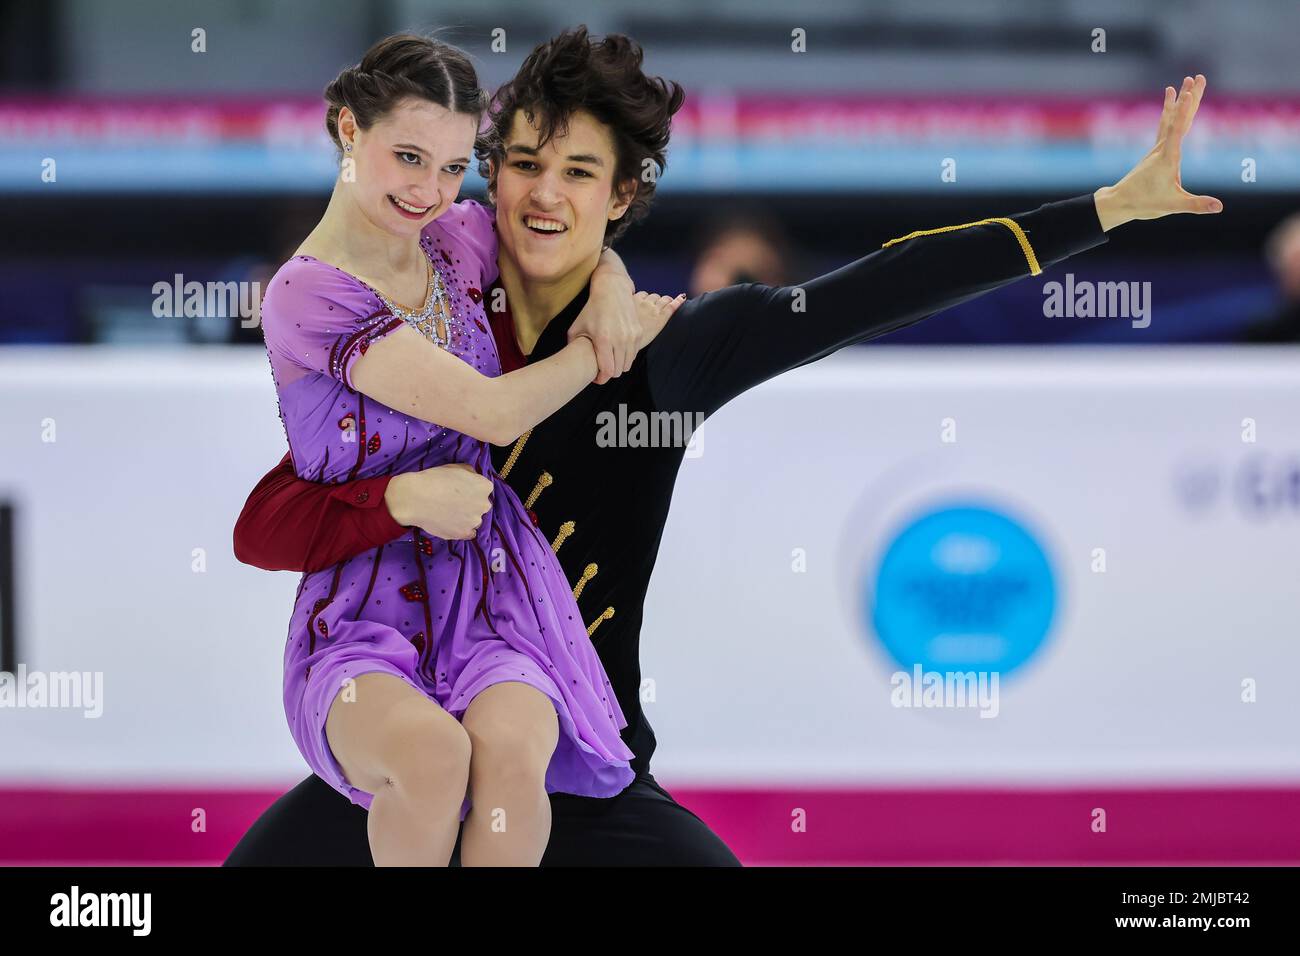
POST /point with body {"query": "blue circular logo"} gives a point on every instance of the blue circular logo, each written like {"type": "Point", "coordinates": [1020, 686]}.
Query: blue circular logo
{"type": "Point", "coordinates": [964, 588]}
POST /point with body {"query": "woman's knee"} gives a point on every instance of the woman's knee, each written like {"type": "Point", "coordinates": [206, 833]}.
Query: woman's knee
{"type": "Point", "coordinates": [423, 747]}
{"type": "Point", "coordinates": [390, 735]}
{"type": "Point", "coordinates": [513, 730]}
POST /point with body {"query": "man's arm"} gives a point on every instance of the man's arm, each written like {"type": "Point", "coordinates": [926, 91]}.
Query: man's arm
{"type": "Point", "coordinates": [290, 524]}
{"type": "Point", "coordinates": [726, 342]}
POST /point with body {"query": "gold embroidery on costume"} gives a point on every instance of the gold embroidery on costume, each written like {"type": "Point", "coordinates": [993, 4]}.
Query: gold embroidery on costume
{"type": "Point", "coordinates": [588, 573]}
{"type": "Point", "coordinates": [605, 615]}
{"type": "Point", "coordinates": [1034, 267]}
{"type": "Point", "coordinates": [543, 481]}
{"type": "Point", "coordinates": [514, 454]}
{"type": "Point", "coordinates": [566, 529]}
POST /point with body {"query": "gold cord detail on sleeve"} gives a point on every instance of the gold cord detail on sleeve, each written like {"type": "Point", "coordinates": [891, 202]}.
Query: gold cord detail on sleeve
{"type": "Point", "coordinates": [566, 529]}
{"type": "Point", "coordinates": [605, 615]}
{"type": "Point", "coordinates": [1034, 267]}
{"type": "Point", "coordinates": [543, 481]}
{"type": "Point", "coordinates": [588, 573]}
{"type": "Point", "coordinates": [514, 454]}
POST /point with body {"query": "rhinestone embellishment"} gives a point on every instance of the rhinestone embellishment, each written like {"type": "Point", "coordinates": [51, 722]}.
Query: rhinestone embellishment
{"type": "Point", "coordinates": [426, 320]}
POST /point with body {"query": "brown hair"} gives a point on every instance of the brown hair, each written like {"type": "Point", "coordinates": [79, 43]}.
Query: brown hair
{"type": "Point", "coordinates": [400, 66]}
{"type": "Point", "coordinates": [573, 72]}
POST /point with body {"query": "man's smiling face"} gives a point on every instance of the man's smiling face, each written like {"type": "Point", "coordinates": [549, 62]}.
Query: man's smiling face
{"type": "Point", "coordinates": [553, 201]}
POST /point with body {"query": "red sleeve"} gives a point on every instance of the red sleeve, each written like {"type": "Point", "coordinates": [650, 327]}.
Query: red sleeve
{"type": "Point", "coordinates": [290, 524]}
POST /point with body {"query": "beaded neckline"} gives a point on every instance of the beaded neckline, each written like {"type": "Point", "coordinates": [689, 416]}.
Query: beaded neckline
{"type": "Point", "coordinates": [424, 320]}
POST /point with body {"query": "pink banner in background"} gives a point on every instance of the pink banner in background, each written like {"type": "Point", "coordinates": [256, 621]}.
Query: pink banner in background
{"type": "Point", "coordinates": [705, 116]}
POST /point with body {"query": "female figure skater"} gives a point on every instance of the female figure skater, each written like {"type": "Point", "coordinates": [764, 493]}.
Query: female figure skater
{"type": "Point", "coordinates": [426, 675]}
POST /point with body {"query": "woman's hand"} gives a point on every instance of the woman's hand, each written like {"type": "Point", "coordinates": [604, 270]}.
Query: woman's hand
{"type": "Point", "coordinates": [1154, 188]}
{"type": "Point", "coordinates": [609, 319]}
{"type": "Point", "coordinates": [447, 501]}
{"type": "Point", "coordinates": [652, 314]}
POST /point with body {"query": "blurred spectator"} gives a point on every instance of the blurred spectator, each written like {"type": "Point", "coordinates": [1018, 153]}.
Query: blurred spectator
{"type": "Point", "coordinates": [741, 246]}
{"type": "Point", "coordinates": [1282, 250]}
{"type": "Point", "coordinates": [299, 216]}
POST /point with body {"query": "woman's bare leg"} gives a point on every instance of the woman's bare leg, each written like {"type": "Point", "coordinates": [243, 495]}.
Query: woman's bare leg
{"type": "Point", "coordinates": [513, 730]}
{"type": "Point", "coordinates": [413, 756]}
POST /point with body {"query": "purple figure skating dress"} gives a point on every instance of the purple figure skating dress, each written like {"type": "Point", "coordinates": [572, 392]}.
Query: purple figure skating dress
{"type": "Point", "coordinates": [448, 617]}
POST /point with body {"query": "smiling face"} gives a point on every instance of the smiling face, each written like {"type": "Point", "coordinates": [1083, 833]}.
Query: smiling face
{"type": "Point", "coordinates": [409, 164]}
{"type": "Point", "coordinates": [553, 201]}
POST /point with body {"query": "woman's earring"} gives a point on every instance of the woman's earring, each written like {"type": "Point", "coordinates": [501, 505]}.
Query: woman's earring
{"type": "Point", "coordinates": [347, 148]}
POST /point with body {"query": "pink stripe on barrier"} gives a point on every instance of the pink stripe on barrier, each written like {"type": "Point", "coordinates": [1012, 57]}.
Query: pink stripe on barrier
{"type": "Point", "coordinates": [842, 826]}
{"type": "Point", "coordinates": [924, 826]}
{"type": "Point", "coordinates": [155, 825]}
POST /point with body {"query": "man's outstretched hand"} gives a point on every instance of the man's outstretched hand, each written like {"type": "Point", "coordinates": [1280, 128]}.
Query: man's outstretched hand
{"type": "Point", "coordinates": [1154, 187]}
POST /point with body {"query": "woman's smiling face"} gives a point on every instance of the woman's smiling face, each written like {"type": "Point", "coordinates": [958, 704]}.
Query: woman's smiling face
{"type": "Point", "coordinates": [407, 168]}
{"type": "Point", "coordinates": [554, 201]}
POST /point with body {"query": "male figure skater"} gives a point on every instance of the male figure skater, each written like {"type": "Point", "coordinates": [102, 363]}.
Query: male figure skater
{"type": "Point", "coordinates": [605, 507]}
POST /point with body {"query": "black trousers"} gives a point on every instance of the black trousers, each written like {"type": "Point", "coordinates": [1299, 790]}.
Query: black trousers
{"type": "Point", "coordinates": [315, 825]}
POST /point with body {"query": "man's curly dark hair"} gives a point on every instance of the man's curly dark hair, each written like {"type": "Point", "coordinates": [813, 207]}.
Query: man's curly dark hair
{"type": "Point", "coordinates": [573, 71]}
